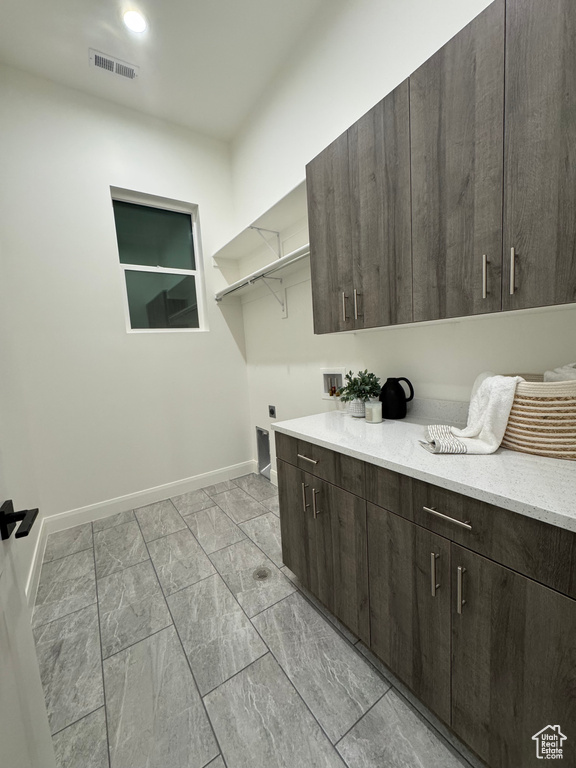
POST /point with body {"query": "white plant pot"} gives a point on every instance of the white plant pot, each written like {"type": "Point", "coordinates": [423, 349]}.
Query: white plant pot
{"type": "Point", "coordinates": [357, 408]}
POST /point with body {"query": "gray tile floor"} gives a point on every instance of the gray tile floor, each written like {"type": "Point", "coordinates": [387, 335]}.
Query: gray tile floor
{"type": "Point", "coordinates": [158, 648]}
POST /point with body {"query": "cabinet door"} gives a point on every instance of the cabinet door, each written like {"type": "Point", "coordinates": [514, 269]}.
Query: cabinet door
{"type": "Point", "coordinates": [513, 663]}
{"type": "Point", "coordinates": [379, 153]}
{"type": "Point", "coordinates": [410, 626]}
{"type": "Point", "coordinates": [298, 544]}
{"type": "Point", "coordinates": [540, 153]}
{"type": "Point", "coordinates": [330, 238]}
{"type": "Point", "coordinates": [342, 556]}
{"type": "Point", "coordinates": [456, 113]}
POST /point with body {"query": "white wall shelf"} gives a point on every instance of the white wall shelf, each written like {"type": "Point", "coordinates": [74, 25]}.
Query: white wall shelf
{"type": "Point", "coordinates": [287, 211]}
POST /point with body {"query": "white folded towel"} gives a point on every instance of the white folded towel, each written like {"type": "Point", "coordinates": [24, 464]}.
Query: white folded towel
{"type": "Point", "coordinates": [565, 373]}
{"type": "Point", "coordinates": [490, 405]}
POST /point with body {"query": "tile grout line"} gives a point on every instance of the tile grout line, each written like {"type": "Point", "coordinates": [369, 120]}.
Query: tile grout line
{"type": "Point", "coordinates": [156, 632]}
{"type": "Point", "coordinates": [196, 537]}
{"type": "Point", "coordinates": [332, 627]}
{"type": "Point", "coordinates": [102, 706]}
{"type": "Point", "coordinates": [428, 722]}
{"type": "Point", "coordinates": [62, 557]}
{"type": "Point", "coordinates": [181, 589]}
{"type": "Point", "coordinates": [294, 687]}
{"type": "Point", "coordinates": [113, 573]}
{"type": "Point", "coordinates": [185, 655]}
{"type": "Point", "coordinates": [101, 657]}
{"type": "Point", "coordinates": [64, 616]}
{"type": "Point", "coordinates": [300, 590]}
{"type": "Point", "coordinates": [275, 659]}
{"type": "Point", "coordinates": [238, 672]}
{"type": "Point", "coordinates": [272, 605]}
{"type": "Point", "coordinates": [370, 708]}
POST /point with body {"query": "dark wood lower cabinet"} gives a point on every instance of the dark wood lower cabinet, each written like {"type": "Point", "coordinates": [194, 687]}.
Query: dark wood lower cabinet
{"type": "Point", "coordinates": [295, 527]}
{"type": "Point", "coordinates": [410, 626]}
{"type": "Point", "coordinates": [324, 542]}
{"type": "Point", "coordinates": [513, 663]}
{"type": "Point", "coordinates": [490, 650]}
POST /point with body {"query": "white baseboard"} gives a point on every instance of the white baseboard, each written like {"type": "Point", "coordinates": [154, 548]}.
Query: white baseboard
{"type": "Point", "coordinates": [63, 520]}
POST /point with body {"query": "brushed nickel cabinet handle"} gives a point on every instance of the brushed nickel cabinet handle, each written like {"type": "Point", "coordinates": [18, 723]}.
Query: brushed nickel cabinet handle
{"type": "Point", "coordinates": [433, 584]}
{"type": "Point", "coordinates": [356, 313]}
{"type": "Point", "coordinates": [304, 505]}
{"type": "Point", "coordinates": [432, 511]}
{"type": "Point", "coordinates": [512, 271]}
{"type": "Point", "coordinates": [312, 461]}
{"type": "Point", "coordinates": [344, 298]}
{"type": "Point", "coordinates": [315, 510]}
{"type": "Point", "coordinates": [485, 262]}
{"type": "Point", "coordinates": [460, 602]}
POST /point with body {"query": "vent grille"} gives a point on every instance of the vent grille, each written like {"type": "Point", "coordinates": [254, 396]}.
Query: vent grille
{"type": "Point", "coordinates": [113, 65]}
{"type": "Point", "coordinates": [103, 62]}
{"type": "Point", "coordinates": [125, 70]}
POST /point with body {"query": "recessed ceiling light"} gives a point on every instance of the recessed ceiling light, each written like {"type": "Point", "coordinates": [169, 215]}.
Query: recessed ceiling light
{"type": "Point", "coordinates": [135, 21]}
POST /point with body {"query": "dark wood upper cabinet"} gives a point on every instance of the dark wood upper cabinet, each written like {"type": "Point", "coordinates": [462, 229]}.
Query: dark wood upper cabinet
{"type": "Point", "coordinates": [359, 222]}
{"type": "Point", "coordinates": [457, 117]}
{"type": "Point", "coordinates": [329, 225]}
{"type": "Point", "coordinates": [513, 663]}
{"type": "Point", "coordinates": [410, 626]}
{"type": "Point", "coordinates": [379, 163]}
{"type": "Point", "coordinates": [540, 154]}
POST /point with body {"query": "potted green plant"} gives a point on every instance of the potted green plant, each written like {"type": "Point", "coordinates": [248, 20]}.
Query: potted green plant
{"type": "Point", "coordinates": [358, 389]}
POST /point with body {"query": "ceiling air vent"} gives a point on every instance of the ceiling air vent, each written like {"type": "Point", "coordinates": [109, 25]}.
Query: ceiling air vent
{"type": "Point", "coordinates": [110, 64]}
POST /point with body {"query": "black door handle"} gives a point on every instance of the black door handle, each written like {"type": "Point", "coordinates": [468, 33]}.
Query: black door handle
{"type": "Point", "coordinates": [9, 519]}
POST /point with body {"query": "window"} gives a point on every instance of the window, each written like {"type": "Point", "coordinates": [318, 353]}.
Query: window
{"type": "Point", "coordinates": [159, 257]}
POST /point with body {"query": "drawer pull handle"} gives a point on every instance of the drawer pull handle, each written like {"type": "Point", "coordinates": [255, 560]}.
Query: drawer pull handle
{"type": "Point", "coordinates": [315, 509]}
{"type": "Point", "coordinates": [460, 602]}
{"type": "Point", "coordinates": [450, 519]}
{"type": "Point", "coordinates": [485, 262]}
{"type": "Point", "coordinates": [512, 271]}
{"type": "Point", "coordinates": [312, 461]}
{"type": "Point", "coordinates": [344, 299]}
{"type": "Point", "coordinates": [433, 584]}
{"type": "Point", "coordinates": [356, 313]}
{"type": "Point", "coordinates": [304, 505]}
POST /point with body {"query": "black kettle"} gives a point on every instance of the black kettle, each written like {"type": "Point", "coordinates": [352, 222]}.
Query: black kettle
{"type": "Point", "coordinates": [393, 398]}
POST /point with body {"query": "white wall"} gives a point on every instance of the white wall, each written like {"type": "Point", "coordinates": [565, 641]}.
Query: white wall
{"type": "Point", "coordinates": [99, 413]}
{"type": "Point", "coordinates": [346, 64]}
{"type": "Point", "coordinates": [441, 359]}
{"type": "Point", "coordinates": [365, 50]}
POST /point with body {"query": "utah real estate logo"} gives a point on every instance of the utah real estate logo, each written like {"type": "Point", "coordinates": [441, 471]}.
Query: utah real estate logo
{"type": "Point", "coordinates": [549, 743]}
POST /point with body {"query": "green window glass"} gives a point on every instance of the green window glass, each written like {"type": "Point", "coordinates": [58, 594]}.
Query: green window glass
{"type": "Point", "coordinates": [160, 300]}
{"type": "Point", "coordinates": [154, 237]}
{"type": "Point", "coordinates": [157, 254]}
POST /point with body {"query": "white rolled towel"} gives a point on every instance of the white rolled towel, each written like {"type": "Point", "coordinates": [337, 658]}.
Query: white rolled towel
{"type": "Point", "coordinates": [564, 373]}
{"type": "Point", "coordinates": [490, 405]}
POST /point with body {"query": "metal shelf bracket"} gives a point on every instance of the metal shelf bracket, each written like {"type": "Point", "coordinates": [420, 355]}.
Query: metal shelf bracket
{"type": "Point", "coordinates": [281, 301]}
{"type": "Point", "coordinates": [276, 251]}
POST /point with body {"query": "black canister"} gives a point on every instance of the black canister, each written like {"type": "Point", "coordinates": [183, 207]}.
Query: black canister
{"type": "Point", "coordinates": [393, 398]}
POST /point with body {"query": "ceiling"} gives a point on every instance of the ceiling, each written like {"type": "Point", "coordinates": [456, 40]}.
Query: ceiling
{"type": "Point", "coordinates": [204, 64]}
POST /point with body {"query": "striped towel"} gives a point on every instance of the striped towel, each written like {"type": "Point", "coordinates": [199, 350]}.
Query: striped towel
{"type": "Point", "coordinates": [490, 405]}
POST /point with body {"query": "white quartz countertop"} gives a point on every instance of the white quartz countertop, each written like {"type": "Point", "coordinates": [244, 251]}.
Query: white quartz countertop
{"type": "Point", "coordinates": [535, 486]}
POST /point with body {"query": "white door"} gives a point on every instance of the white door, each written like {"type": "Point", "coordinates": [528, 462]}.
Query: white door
{"type": "Point", "coordinates": [25, 740]}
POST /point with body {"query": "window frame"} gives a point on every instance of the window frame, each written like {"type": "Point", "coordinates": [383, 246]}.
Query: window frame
{"type": "Point", "coordinates": [178, 206]}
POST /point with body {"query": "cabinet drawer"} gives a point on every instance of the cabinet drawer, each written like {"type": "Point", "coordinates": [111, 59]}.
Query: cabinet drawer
{"type": "Point", "coordinates": [335, 468]}
{"type": "Point", "coordinates": [389, 490]}
{"type": "Point", "coordinates": [545, 553]}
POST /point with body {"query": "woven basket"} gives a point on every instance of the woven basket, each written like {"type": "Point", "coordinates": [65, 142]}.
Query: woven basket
{"type": "Point", "coordinates": [543, 419]}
